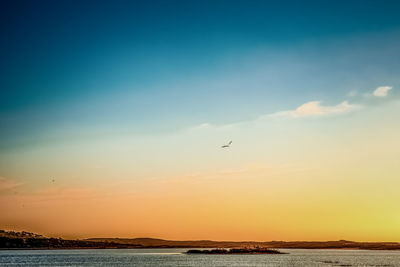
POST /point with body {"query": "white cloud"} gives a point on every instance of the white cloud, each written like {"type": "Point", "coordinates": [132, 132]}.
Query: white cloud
{"type": "Point", "coordinates": [314, 108]}
{"type": "Point", "coordinates": [309, 109]}
{"type": "Point", "coordinates": [382, 91]}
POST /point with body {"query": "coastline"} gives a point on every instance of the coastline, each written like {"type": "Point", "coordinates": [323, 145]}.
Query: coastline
{"type": "Point", "coordinates": [10, 240]}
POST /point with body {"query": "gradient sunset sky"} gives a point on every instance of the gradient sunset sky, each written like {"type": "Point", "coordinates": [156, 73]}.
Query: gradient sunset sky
{"type": "Point", "coordinates": [113, 113]}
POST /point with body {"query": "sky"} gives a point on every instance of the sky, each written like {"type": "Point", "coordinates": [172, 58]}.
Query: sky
{"type": "Point", "coordinates": [113, 114]}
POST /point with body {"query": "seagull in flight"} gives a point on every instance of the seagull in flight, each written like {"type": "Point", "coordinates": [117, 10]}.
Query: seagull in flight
{"type": "Point", "coordinates": [228, 145]}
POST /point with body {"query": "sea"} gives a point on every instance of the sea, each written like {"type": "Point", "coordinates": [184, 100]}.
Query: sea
{"type": "Point", "coordinates": [177, 257]}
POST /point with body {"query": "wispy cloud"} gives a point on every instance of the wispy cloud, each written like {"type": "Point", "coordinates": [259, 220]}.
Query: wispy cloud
{"type": "Point", "coordinates": [251, 170]}
{"type": "Point", "coordinates": [315, 108]}
{"type": "Point", "coordinates": [309, 109]}
{"type": "Point", "coordinates": [382, 91]}
{"type": "Point", "coordinates": [7, 184]}
{"type": "Point", "coordinates": [352, 93]}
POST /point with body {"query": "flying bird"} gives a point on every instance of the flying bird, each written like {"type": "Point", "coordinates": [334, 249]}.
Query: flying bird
{"type": "Point", "coordinates": [228, 145]}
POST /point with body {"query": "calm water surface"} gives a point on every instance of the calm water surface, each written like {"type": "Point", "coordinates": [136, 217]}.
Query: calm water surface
{"type": "Point", "coordinates": [175, 258]}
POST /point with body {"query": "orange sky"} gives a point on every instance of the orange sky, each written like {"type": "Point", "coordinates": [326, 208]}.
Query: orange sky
{"type": "Point", "coordinates": [347, 190]}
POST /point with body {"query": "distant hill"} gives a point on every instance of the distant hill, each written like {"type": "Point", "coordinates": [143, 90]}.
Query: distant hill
{"type": "Point", "coordinates": [27, 240]}
{"type": "Point", "coordinates": [23, 234]}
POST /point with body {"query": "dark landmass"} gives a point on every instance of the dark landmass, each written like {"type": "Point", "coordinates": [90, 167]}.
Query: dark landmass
{"type": "Point", "coordinates": [235, 251]}
{"type": "Point", "coordinates": [26, 240]}
{"type": "Point", "coordinates": [341, 244]}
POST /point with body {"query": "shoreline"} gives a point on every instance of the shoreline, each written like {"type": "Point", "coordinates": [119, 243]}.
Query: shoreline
{"type": "Point", "coordinates": [10, 240]}
{"type": "Point", "coordinates": [122, 248]}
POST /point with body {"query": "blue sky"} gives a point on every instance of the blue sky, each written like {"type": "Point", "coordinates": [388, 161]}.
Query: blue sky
{"type": "Point", "coordinates": [158, 66]}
